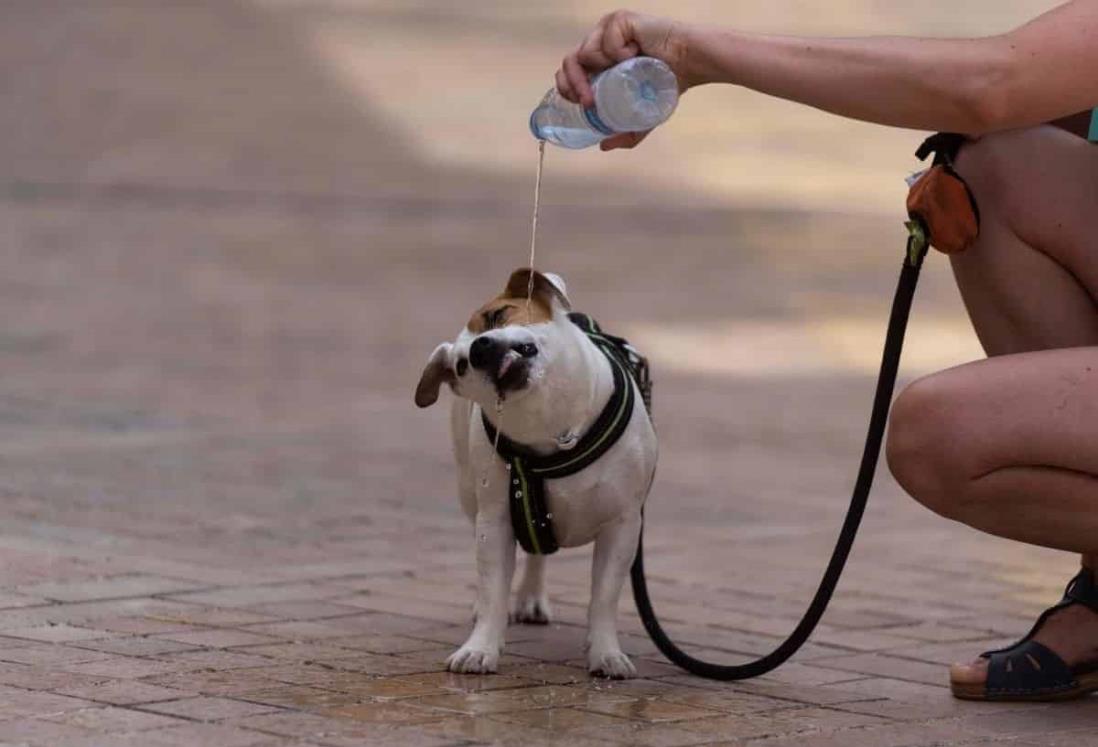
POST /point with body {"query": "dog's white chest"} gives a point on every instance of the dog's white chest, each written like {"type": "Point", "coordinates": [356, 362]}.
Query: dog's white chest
{"type": "Point", "coordinates": [579, 505]}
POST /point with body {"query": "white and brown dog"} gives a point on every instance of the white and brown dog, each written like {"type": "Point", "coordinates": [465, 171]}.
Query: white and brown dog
{"type": "Point", "coordinates": [540, 380]}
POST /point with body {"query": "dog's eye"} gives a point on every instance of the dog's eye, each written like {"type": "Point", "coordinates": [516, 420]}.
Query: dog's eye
{"type": "Point", "coordinates": [462, 366]}
{"type": "Point", "coordinates": [493, 319]}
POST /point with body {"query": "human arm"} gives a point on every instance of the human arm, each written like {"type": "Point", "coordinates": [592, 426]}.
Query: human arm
{"type": "Point", "coordinates": [1043, 70]}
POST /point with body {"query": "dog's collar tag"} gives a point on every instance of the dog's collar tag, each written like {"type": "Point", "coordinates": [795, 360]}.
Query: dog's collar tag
{"type": "Point", "coordinates": [568, 440]}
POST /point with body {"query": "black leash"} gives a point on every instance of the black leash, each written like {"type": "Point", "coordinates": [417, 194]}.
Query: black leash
{"type": "Point", "coordinates": [886, 382]}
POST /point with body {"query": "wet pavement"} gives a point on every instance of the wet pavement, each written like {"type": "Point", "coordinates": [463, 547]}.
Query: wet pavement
{"type": "Point", "coordinates": [232, 232]}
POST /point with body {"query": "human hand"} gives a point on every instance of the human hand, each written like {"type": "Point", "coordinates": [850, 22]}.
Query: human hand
{"type": "Point", "coordinates": [618, 37]}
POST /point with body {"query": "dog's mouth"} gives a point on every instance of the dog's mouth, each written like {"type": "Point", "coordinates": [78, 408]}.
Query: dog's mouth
{"type": "Point", "coordinates": [513, 373]}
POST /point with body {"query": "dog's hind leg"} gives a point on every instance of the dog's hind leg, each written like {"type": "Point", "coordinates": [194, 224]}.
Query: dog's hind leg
{"type": "Point", "coordinates": [615, 547]}
{"type": "Point", "coordinates": [531, 605]}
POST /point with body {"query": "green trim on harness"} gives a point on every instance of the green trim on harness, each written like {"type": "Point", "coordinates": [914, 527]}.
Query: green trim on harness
{"type": "Point", "coordinates": [530, 516]}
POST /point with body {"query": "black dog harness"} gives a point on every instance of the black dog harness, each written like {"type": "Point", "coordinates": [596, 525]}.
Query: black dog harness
{"type": "Point", "coordinates": [530, 516]}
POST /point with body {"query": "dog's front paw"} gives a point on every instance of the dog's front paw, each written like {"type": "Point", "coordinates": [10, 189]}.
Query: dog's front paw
{"type": "Point", "coordinates": [472, 660]}
{"type": "Point", "coordinates": [612, 664]}
{"type": "Point", "coordinates": [531, 610]}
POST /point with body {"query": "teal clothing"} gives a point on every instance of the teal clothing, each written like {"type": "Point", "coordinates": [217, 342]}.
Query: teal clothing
{"type": "Point", "coordinates": [1092, 136]}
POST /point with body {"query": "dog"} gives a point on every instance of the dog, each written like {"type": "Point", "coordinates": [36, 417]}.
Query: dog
{"type": "Point", "coordinates": [523, 365]}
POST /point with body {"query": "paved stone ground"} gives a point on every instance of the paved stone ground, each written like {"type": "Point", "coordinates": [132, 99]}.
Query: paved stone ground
{"type": "Point", "coordinates": [223, 521]}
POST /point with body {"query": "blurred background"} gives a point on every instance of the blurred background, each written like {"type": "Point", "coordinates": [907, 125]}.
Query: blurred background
{"type": "Point", "coordinates": [231, 231]}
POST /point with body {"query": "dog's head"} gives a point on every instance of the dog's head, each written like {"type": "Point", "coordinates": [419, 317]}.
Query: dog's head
{"type": "Point", "coordinates": [505, 347]}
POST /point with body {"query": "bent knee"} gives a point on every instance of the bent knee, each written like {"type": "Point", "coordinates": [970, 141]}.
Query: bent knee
{"type": "Point", "coordinates": [924, 449]}
{"type": "Point", "coordinates": [994, 165]}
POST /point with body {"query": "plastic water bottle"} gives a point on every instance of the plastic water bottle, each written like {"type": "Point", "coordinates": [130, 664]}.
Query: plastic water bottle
{"type": "Point", "coordinates": [633, 96]}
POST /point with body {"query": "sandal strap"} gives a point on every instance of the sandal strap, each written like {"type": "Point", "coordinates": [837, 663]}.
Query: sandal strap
{"type": "Point", "coordinates": [1083, 590]}
{"type": "Point", "coordinates": [1028, 668]}
{"type": "Point", "coordinates": [1080, 590]}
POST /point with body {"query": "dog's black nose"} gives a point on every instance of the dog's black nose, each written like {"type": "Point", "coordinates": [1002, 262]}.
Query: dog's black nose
{"type": "Point", "coordinates": [485, 353]}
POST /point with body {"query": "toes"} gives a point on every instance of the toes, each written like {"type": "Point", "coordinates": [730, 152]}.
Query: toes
{"type": "Point", "coordinates": [531, 612]}
{"type": "Point", "coordinates": [467, 660]}
{"type": "Point", "coordinates": [972, 673]}
{"type": "Point", "coordinates": [614, 665]}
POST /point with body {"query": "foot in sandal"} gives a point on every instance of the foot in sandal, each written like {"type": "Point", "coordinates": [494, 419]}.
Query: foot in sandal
{"type": "Point", "coordinates": [1057, 659]}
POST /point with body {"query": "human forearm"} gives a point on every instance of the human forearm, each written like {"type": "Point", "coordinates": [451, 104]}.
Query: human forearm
{"type": "Point", "coordinates": [919, 83]}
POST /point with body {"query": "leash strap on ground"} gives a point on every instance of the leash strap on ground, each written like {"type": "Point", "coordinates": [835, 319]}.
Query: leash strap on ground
{"type": "Point", "coordinates": [914, 254]}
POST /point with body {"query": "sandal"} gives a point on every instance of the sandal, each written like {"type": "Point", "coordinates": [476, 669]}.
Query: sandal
{"type": "Point", "coordinates": [1028, 670]}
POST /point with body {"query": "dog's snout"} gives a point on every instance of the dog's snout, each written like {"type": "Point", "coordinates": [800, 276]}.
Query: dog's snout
{"type": "Point", "coordinates": [484, 353]}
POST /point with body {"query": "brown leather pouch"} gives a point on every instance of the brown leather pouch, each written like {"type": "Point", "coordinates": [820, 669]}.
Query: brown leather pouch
{"type": "Point", "coordinates": [940, 203]}
{"type": "Point", "coordinates": [941, 199]}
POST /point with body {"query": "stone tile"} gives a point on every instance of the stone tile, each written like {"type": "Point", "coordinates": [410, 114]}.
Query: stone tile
{"type": "Point", "coordinates": [303, 610]}
{"type": "Point", "coordinates": [250, 596]}
{"type": "Point", "coordinates": [60, 633]}
{"type": "Point", "coordinates": [573, 722]}
{"type": "Point", "coordinates": [891, 735]}
{"type": "Point", "coordinates": [39, 733]}
{"type": "Point", "coordinates": [386, 644]}
{"type": "Point", "coordinates": [228, 683]}
{"type": "Point", "coordinates": [550, 674]}
{"type": "Point", "coordinates": [137, 646]}
{"type": "Point", "coordinates": [120, 692]}
{"type": "Point", "coordinates": [130, 585]}
{"type": "Point", "coordinates": [652, 710]}
{"type": "Point", "coordinates": [947, 653]}
{"type": "Point", "coordinates": [889, 666]}
{"type": "Point", "coordinates": [296, 696]}
{"type": "Point", "coordinates": [220, 638]}
{"type": "Point", "coordinates": [44, 678]}
{"type": "Point", "coordinates": [207, 708]}
{"type": "Point", "coordinates": [302, 652]}
{"type": "Point", "coordinates": [184, 735]}
{"type": "Point", "coordinates": [194, 617]}
{"type": "Point", "coordinates": [309, 630]}
{"type": "Point", "coordinates": [111, 719]}
{"type": "Point", "coordinates": [13, 601]}
{"type": "Point", "coordinates": [782, 722]}
{"type": "Point", "coordinates": [47, 655]}
{"type": "Point", "coordinates": [15, 703]}
{"type": "Point", "coordinates": [936, 633]}
{"type": "Point", "coordinates": [383, 713]}
{"type": "Point", "coordinates": [342, 732]}
{"type": "Point", "coordinates": [524, 699]}
{"type": "Point", "coordinates": [121, 667]}
{"type": "Point", "coordinates": [140, 625]}
{"type": "Point", "coordinates": [490, 731]}
{"type": "Point", "coordinates": [424, 609]}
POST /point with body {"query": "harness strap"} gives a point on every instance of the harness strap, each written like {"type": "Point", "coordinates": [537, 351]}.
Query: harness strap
{"type": "Point", "coordinates": [530, 516]}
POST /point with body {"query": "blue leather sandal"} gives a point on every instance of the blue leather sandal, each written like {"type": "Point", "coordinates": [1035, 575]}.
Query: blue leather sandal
{"type": "Point", "coordinates": [1028, 670]}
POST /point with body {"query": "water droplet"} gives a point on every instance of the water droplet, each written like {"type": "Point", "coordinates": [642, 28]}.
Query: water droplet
{"type": "Point", "coordinates": [549, 515]}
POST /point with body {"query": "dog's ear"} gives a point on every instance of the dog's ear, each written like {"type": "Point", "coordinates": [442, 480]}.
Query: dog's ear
{"type": "Point", "coordinates": [558, 282]}
{"type": "Point", "coordinates": [547, 288]}
{"type": "Point", "coordinates": [434, 374]}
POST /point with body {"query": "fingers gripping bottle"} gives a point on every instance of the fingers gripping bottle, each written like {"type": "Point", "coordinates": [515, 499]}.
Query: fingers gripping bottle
{"type": "Point", "coordinates": [633, 96]}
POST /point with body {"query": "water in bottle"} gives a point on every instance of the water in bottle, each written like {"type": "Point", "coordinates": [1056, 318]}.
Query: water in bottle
{"type": "Point", "coordinates": [633, 96]}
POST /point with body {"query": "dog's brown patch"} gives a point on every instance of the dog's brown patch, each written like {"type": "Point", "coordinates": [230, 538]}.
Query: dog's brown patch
{"type": "Point", "coordinates": [510, 306]}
